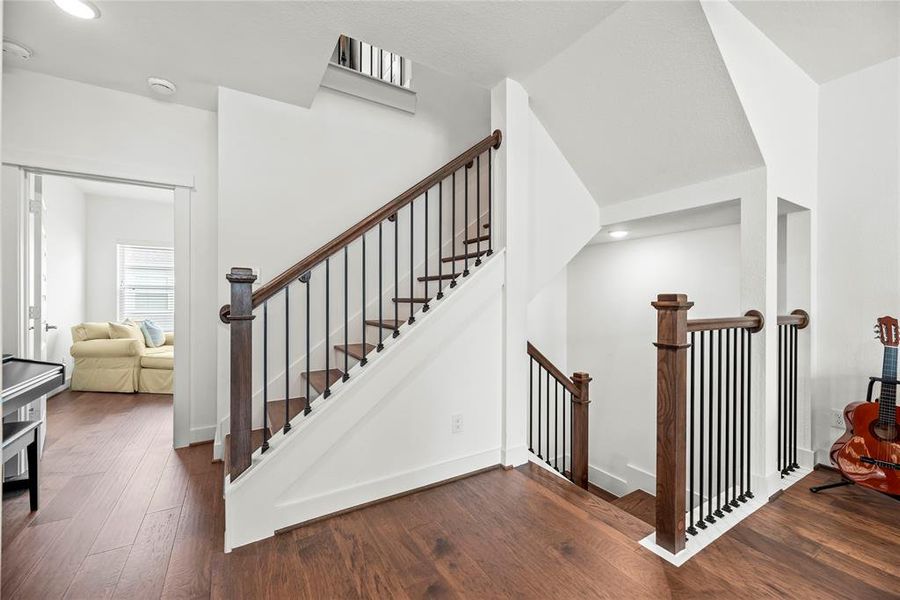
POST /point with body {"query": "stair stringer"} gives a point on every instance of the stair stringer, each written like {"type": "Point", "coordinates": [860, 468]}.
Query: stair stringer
{"type": "Point", "coordinates": [388, 429]}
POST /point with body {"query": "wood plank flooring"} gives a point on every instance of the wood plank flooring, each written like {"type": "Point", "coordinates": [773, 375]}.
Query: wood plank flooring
{"type": "Point", "coordinates": [125, 516]}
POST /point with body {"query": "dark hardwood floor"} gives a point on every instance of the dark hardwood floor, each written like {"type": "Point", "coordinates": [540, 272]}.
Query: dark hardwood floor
{"type": "Point", "coordinates": [123, 515]}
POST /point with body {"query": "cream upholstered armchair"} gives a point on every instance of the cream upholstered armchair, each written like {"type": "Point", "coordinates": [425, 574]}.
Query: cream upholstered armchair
{"type": "Point", "coordinates": [112, 357]}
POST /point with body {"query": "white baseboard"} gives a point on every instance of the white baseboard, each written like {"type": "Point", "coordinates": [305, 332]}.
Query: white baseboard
{"type": "Point", "coordinates": [205, 433]}
{"type": "Point", "coordinates": [514, 457]}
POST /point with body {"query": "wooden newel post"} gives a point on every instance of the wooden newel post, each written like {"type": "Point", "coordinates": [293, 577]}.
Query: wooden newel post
{"type": "Point", "coordinates": [241, 321]}
{"type": "Point", "coordinates": [580, 429]}
{"type": "Point", "coordinates": [671, 414]}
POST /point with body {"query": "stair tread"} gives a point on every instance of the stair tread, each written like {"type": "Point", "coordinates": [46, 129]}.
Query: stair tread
{"type": "Point", "coordinates": [445, 277]}
{"type": "Point", "coordinates": [356, 350]}
{"type": "Point", "coordinates": [412, 300]}
{"type": "Point", "coordinates": [481, 238]}
{"type": "Point", "coordinates": [386, 323]}
{"type": "Point", "coordinates": [615, 517]}
{"type": "Point", "coordinates": [276, 412]}
{"type": "Point", "coordinates": [447, 259]}
{"type": "Point", "coordinates": [639, 504]}
{"type": "Point", "coordinates": [318, 379]}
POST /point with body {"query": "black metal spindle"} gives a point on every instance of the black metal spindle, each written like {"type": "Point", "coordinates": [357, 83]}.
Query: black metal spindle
{"type": "Point", "coordinates": [412, 220]}
{"type": "Point", "coordinates": [440, 263]}
{"type": "Point", "coordinates": [530, 402]}
{"type": "Point", "coordinates": [265, 376]}
{"type": "Point", "coordinates": [401, 70]}
{"type": "Point", "coordinates": [701, 524]}
{"type": "Point", "coordinates": [478, 210]}
{"type": "Point", "coordinates": [709, 510]}
{"type": "Point", "coordinates": [540, 368]}
{"type": "Point", "coordinates": [371, 59]}
{"type": "Point", "coordinates": [780, 380]}
{"type": "Point", "coordinates": [287, 359]}
{"type": "Point", "coordinates": [327, 391]}
{"type": "Point", "coordinates": [556, 424]}
{"type": "Point", "coordinates": [718, 511]}
{"type": "Point", "coordinates": [734, 417]}
{"type": "Point", "coordinates": [364, 359]}
{"type": "Point", "coordinates": [425, 306]}
{"type": "Point", "coordinates": [490, 221]}
{"type": "Point", "coordinates": [749, 493]}
{"type": "Point", "coordinates": [453, 231]}
{"type": "Point", "coordinates": [690, 522]}
{"type": "Point", "coordinates": [725, 489]}
{"type": "Point", "coordinates": [381, 63]}
{"type": "Point", "coordinates": [307, 408]}
{"type": "Point", "coordinates": [547, 458]}
{"type": "Point", "coordinates": [794, 330]}
{"type": "Point", "coordinates": [743, 496]}
{"type": "Point", "coordinates": [380, 346]}
{"type": "Point", "coordinates": [466, 222]}
{"type": "Point", "coordinates": [396, 270]}
{"type": "Point", "coordinates": [565, 448]}
{"type": "Point", "coordinates": [346, 374]}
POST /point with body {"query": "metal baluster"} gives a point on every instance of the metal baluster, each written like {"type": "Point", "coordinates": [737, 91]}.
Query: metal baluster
{"type": "Point", "coordinates": [490, 191]}
{"type": "Point", "coordinates": [364, 359]}
{"type": "Point", "coordinates": [440, 263]}
{"type": "Point", "coordinates": [564, 447]}
{"type": "Point", "coordinates": [749, 402]}
{"type": "Point", "coordinates": [718, 511]}
{"type": "Point", "coordinates": [530, 402]}
{"type": "Point", "coordinates": [396, 268]}
{"type": "Point", "coordinates": [392, 67]}
{"type": "Point", "coordinates": [780, 380]}
{"type": "Point", "coordinates": [794, 330]}
{"type": "Point", "coordinates": [308, 282]}
{"type": "Point", "coordinates": [556, 424]}
{"type": "Point", "coordinates": [425, 307]}
{"type": "Point", "coordinates": [412, 220]}
{"type": "Point", "coordinates": [539, 411]}
{"type": "Point", "coordinates": [381, 64]}
{"type": "Point", "coordinates": [478, 211]}
{"type": "Point", "coordinates": [453, 232]}
{"type": "Point", "coordinates": [709, 512]}
{"type": "Point", "coordinates": [327, 391]}
{"type": "Point", "coordinates": [742, 497]}
{"type": "Point", "coordinates": [466, 223]}
{"type": "Point", "coordinates": [371, 60]}
{"type": "Point", "coordinates": [734, 418]}
{"type": "Point", "coordinates": [701, 524]}
{"type": "Point", "coordinates": [265, 376]}
{"type": "Point", "coordinates": [547, 458]}
{"type": "Point", "coordinates": [287, 359]}
{"type": "Point", "coordinates": [346, 374]}
{"type": "Point", "coordinates": [380, 346]}
{"type": "Point", "coordinates": [690, 528]}
{"type": "Point", "coordinates": [725, 490]}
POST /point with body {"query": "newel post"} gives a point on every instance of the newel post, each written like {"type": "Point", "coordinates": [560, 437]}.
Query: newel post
{"type": "Point", "coordinates": [580, 429]}
{"type": "Point", "coordinates": [671, 414]}
{"type": "Point", "coordinates": [241, 322]}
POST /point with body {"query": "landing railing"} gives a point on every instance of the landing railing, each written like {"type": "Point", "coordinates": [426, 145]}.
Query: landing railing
{"type": "Point", "coordinates": [404, 254]}
{"type": "Point", "coordinates": [558, 417]}
{"type": "Point", "coordinates": [370, 60]}
{"type": "Point", "coordinates": [704, 399]}
{"type": "Point", "coordinates": [788, 328]}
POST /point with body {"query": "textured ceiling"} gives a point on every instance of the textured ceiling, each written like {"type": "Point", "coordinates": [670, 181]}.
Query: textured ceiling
{"type": "Point", "coordinates": [643, 103]}
{"type": "Point", "coordinates": [829, 39]}
{"type": "Point", "coordinates": [280, 49]}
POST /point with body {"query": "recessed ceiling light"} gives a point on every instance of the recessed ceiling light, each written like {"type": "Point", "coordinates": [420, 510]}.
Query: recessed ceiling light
{"type": "Point", "coordinates": [618, 234]}
{"type": "Point", "coordinates": [16, 49]}
{"type": "Point", "coordinates": [161, 86]}
{"type": "Point", "coordinates": [83, 9]}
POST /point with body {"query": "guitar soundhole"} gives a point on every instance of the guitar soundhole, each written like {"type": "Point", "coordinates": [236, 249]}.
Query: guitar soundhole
{"type": "Point", "coordinates": [884, 432]}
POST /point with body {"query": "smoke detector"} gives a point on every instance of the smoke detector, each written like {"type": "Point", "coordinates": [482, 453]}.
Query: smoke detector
{"type": "Point", "coordinates": [161, 86]}
{"type": "Point", "coordinates": [16, 49]}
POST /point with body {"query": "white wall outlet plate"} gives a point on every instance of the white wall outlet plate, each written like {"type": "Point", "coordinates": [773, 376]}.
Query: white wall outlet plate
{"type": "Point", "coordinates": [837, 419]}
{"type": "Point", "coordinates": [456, 423]}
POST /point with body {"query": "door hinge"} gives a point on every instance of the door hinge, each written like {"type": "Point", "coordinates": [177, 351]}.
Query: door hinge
{"type": "Point", "coordinates": [34, 206]}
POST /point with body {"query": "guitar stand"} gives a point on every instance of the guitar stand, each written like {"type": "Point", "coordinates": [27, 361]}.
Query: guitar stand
{"type": "Point", "coordinates": [819, 488]}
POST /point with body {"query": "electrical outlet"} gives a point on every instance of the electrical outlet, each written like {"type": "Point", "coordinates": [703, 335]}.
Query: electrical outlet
{"type": "Point", "coordinates": [456, 424]}
{"type": "Point", "coordinates": [837, 419]}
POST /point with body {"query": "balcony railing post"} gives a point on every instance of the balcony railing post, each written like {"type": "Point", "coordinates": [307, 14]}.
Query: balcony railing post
{"type": "Point", "coordinates": [671, 409]}
{"type": "Point", "coordinates": [241, 323]}
{"type": "Point", "coordinates": [580, 429]}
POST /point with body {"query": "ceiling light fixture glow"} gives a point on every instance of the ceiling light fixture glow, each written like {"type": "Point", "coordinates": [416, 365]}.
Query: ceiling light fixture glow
{"type": "Point", "coordinates": [618, 234]}
{"type": "Point", "coordinates": [83, 9]}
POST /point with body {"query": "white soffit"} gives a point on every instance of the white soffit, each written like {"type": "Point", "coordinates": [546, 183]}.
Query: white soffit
{"type": "Point", "coordinates": [643, 103]}
{"type": "Point", "coordinates": [703, 217]}
{"type": "Point", "coordinates": [829, 39]}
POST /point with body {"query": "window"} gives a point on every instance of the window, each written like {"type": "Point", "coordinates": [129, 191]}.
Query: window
{"type": "Point", "coordinates": [147, 284]}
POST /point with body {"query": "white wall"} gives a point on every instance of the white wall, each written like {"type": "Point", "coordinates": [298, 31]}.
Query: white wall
{"type": "Point", "coordinates": [858, 252]}
{"type": "Point", "coordinates": [66, 265]}
{"type": "Point", "coordinates": [612, 326]}
{"type": "Point", "coordinates": [548, 321]}
{"type": "Point", "coordinates": [58, 123]}
{"type": "Point", "coordinates": [112, 221]}
{"type": "Point", "coordinates": [318, 171]}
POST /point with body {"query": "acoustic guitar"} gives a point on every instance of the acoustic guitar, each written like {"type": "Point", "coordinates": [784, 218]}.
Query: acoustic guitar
{"type": "Point", "coordinates": [869, 452]}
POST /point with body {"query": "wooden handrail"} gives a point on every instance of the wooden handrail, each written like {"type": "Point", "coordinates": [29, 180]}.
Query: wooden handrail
{"type": "Point", "coordinates": [293, 273]}
{"type": "Point", "coordinates": [752, 320]}
{"type": "Point", "coordinates": [555, 372]}
{"type": "Point", "coordinates": [798, 317]}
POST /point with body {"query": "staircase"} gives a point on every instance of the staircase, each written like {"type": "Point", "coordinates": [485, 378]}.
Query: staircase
{"type": "Point", "coordinates": [330, 314]}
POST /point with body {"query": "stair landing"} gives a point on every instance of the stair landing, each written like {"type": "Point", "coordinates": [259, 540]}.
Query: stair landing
{"type": "Point", "coordinates": [639, 504]}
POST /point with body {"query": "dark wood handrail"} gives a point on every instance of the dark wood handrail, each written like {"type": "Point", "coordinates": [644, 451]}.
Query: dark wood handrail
{"type": "Point", "coordinates": [798, 317]}
{"type": "Point", "coordinates": [557, 374]}
{"type": "Point", "coordinates": [293, 273]}
{"type": "Point", "coordinates": [753, 321]}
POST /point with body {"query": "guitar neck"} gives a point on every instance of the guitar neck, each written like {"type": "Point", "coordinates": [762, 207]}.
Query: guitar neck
{"type": "Point", "coordinates": [887, 403]}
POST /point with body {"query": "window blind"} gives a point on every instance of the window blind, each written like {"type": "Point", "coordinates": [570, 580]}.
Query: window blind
{"type": "Point", "coordinates": [147, 284]}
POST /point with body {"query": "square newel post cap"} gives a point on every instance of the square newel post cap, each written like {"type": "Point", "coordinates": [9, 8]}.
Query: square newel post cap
{"type": "Point", "coordinates": [672, 302]}
{"type": "Point", "coordinates": [241, 275]}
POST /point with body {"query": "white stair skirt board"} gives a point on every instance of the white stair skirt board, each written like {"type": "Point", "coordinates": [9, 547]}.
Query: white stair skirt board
{"type": "Point", "coordinates": [696, 543]}
{"type": "Point", "coordinates": [532, 457]}
{"type": "Point", "coordinates": [792, 478]}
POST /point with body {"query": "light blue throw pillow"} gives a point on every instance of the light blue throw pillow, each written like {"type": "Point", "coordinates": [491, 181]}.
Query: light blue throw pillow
{"type": "Point", "coordinates": [154, 336]}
